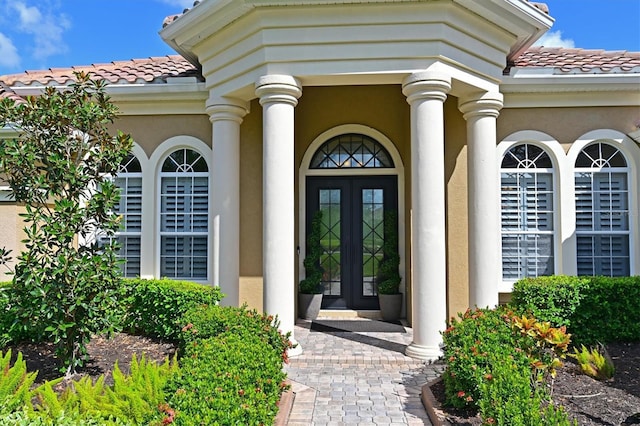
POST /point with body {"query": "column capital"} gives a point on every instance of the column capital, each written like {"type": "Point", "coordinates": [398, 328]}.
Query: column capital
{"type": "Point", "coordinates": [278, 88]}
{"type": "Point", "coordinates": [228, 109]}
{"type": "Point", "coordinates": [426, 85]}
{"type": "Point", "coordinates": [487, 104]}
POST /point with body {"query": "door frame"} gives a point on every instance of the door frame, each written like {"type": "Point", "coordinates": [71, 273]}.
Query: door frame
{"type": "Point", "coordinates": [397, 170]}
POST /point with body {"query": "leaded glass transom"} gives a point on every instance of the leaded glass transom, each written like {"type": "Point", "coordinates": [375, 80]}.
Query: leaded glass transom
{"type": "Point", "coordinates": [526, 156]}
{"type": "Point", "coordinates": [599, 155]}
{"type": "Point", "coordinates": [185, 160]}
{"type": "Point", "coordinates": [352, 150]}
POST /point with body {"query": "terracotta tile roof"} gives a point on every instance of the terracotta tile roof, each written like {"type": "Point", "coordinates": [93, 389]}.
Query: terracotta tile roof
{"type": "Point", "coordinates": [149, 70]}
{"type": "Point", "coordinates": [156, 70]}
{"type": "Point", "coordinates": [577, 61]}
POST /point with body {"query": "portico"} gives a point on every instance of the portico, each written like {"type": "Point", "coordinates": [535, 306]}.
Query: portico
{"type": "Point", "coordinates": [433, 55]}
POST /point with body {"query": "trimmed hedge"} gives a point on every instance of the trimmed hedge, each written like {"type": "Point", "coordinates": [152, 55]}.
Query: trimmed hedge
{"type": "Point", "coordinates": [155, 307]}
{"type": "Point", "coordinates": [594, 309]}
{"type": "Point", "coordinates": [229, 379]}
{"type": "Point", "coordinates": [204, 322]}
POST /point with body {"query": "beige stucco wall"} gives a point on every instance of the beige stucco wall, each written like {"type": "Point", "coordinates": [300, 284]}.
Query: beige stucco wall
{"type": "Point", "coordinates": [149, 131]}
{"type": "Point", "coordinates": [566, 125]}
{"type": "Point", "coordinates": [11, 234]}
{"type": "Point", "coordinates": [456, 204]}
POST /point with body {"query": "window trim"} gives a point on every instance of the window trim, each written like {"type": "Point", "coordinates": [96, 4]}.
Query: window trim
{"type": "Point", "coordinates": [556, 154]}
{"type": "Point", "coordinates": [157, 160]}
{"type": "Point", "coordinates": [605, 170]}
{"type": "Point", "coordinates": [554, 200]}
{"type": "Point", "coordinates": [631, 152]}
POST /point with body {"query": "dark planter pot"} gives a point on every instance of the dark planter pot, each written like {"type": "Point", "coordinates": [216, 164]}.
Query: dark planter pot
{"type": "Point", "coordinates": [309, 305]}
{"type": "Point", "coordinates": [390, 306]}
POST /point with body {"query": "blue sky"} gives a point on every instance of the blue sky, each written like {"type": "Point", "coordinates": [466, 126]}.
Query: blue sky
{"type": "Point", "coordinates": [40, 34]}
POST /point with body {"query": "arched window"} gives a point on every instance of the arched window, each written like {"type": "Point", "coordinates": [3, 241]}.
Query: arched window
{"type": "Point", "coordinates": [527, 212]}
{"type": "Point", "coordinates": [129, 180]}
{"type": "Point", "coordinates": [602, 211]}
{"type": "Point", "coordinates": [184, 201]}
{"type": "Point", "coordinates": [351, 150]}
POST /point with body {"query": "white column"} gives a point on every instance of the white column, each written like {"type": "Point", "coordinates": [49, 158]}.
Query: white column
{"type": "Point", "coordinates": [483, 186]}
{"type": "Point", "coordinates": [426, 93]}
{"type": "Point", "coordinates": [225, 116]}
{"type": "Point", "coordinates": [278, 96]}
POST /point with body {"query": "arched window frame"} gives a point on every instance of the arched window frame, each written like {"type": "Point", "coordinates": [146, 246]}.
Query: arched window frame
{"type": "Point", "coordinates": [560, 179]}
{"type": "Point", "coordinates": [528, 214]}
{"type": "Point", "coordinates": [602, 205]}
{"type": "Point", "coordinates": [201, 235]}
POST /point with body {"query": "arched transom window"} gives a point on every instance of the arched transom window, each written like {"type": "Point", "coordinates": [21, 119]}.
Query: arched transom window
{"type": "Point", "coordinates": [352, 150]}
{"type": "Point", "coordinates": [602, 211]}
{"type": "Point", "coordinates": [184, 201]}
{"type": "Point", "coordinates": [129, 180]}
{"type": "Point", "coordinates": [527, 212]}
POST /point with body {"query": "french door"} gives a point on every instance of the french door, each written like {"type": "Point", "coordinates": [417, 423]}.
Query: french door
{"type": "Point", "coordinates": [353, 217]}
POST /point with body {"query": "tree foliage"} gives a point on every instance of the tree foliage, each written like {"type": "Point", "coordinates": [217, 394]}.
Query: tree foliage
{"type": "Point", "coordinates": [65, 281]}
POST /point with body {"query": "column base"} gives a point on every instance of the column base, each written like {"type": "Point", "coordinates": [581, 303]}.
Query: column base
{"type": "Point", "coordinates": [295, 351]}
{"type": "Point", "coordinates": [425, 353]}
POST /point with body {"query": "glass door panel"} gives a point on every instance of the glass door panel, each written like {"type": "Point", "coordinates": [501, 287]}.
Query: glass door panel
{"type": "Point", "coordinates": [330, 260]}
{"type": "Point", "coordinates": [352, 235]}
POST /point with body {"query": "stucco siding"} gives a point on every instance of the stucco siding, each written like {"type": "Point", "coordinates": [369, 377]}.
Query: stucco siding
{"type": "Point", "coordinates": [456, 207]}
{"type": "Point", "coordinates": [149, 131]}
{"type": "Point", "coordinates": [566, 125]}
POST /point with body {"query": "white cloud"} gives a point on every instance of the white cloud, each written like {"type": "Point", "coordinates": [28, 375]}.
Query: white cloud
{"type": "Point", "coordinates": [9, 56]}
{"type": "Point", "coordinates": [554, 39]}
{"type": "Point", "coordinates": [45, 26]}
{"type": "Point", "coordinates": [28, 15]}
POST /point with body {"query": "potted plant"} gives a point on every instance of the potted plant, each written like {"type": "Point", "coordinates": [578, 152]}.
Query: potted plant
{"type": "Point", "coordinates": [310, 291]}
{"type": "Point", "coordinates": [389, 278]}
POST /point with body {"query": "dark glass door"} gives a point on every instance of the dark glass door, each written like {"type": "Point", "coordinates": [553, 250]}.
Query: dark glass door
{"type": "Point", "coordinates": [352, 235]}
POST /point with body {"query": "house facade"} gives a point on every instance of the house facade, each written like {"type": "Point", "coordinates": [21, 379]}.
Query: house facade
{"type": "Point", "coordinates": [500, 160]}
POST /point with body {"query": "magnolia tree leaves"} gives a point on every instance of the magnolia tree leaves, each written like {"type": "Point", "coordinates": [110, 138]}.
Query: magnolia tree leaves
{"type": "Point", "coordinates": [59, 167]}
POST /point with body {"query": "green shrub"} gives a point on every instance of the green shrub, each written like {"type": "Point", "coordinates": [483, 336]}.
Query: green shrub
{"type": "Point", "coordinates": [507, 398]}
{"type": "Point", "coordinates": [500, 363]}
{"type": "Point", "coordinates": [468, 344]}
{"type": "Point", "coordinates": [554, 299]}
{"type": "Point", "coordinates": [580, 303]}
{"type": "Point", "coordinates": [6, 319]}
{"type": "Point", "coordinates": [155, 307]}
{"type": "Point", "coordinates": [227, 380]}
{"type": "Point", "coordinates": [204, 322]}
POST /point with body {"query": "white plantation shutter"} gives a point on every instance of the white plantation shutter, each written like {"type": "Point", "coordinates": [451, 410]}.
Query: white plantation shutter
{"type": "Point", "coordinates": [129, 180]}
{"type": "Point", "coordinates": [602, 212]}
{"type": "Point", "coordinates": [184, 201]}
{"type": "Point", "coordinates": [527, 213]}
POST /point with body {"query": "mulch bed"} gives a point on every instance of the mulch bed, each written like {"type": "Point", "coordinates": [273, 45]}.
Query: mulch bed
{"type": "Point", "coordinates": [589, 401]}
{"type": "Point", "coordinates": [103, 353]}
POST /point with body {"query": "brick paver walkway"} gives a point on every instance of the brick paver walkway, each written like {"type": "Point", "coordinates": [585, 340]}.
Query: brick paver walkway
{"type": "Point", "coordinates": [354, 372]}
